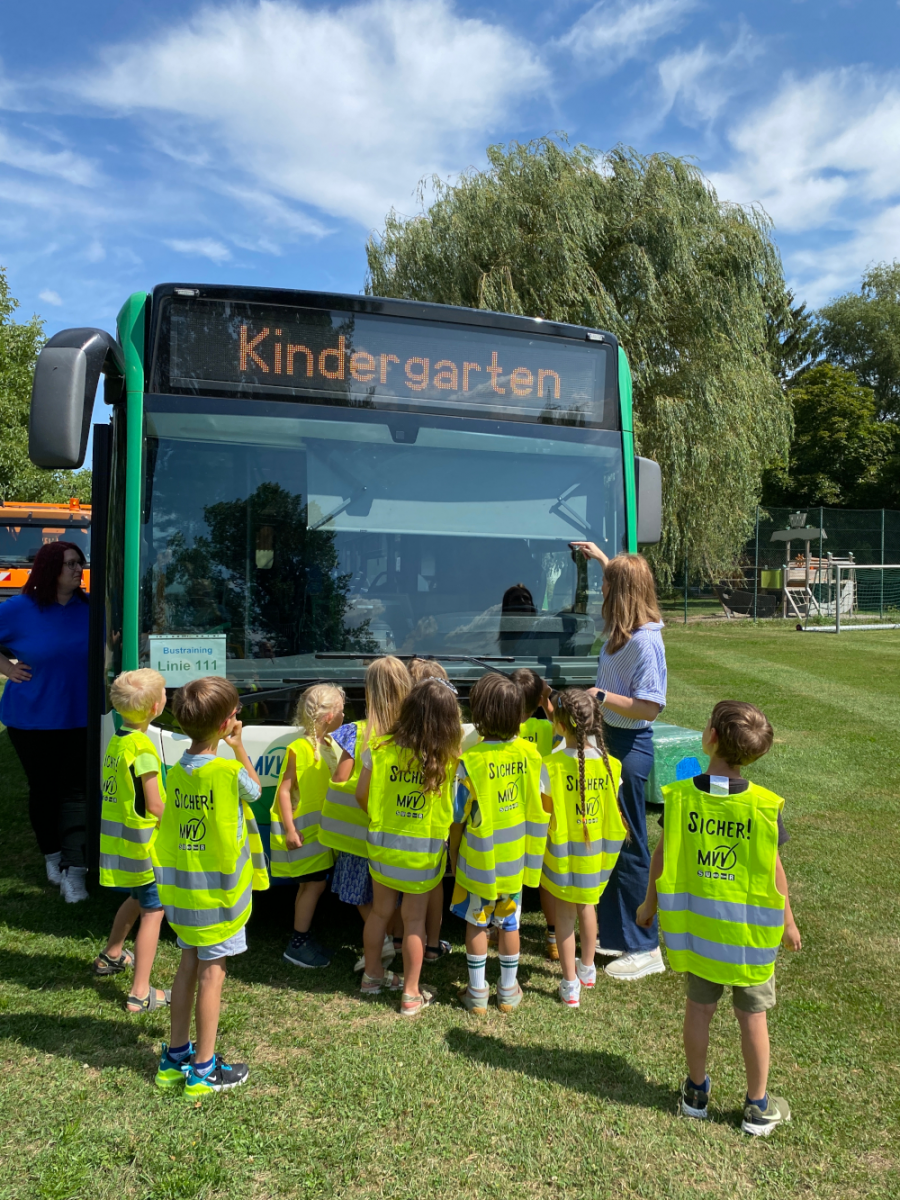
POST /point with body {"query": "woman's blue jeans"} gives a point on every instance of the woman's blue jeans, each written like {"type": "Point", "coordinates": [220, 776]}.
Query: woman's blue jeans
{"type": "Point", "coordinates": [627, 886]}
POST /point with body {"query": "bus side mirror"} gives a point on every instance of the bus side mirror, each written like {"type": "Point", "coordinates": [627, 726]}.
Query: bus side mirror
{"type": "Point", "coordinates": [62, 395]}
{"type": "Point", "coordinates": [648, 489]}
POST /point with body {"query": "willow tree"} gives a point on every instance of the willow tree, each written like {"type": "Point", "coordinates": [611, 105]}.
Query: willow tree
{"type": "Point", "coordinates": [642, 247]}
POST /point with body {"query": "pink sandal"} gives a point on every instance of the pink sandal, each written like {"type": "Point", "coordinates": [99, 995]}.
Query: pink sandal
{"type": "Point", "coordinates": [370, 986]}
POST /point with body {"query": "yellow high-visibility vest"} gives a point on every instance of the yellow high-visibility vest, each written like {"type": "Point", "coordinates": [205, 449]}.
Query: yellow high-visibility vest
{"type": "Point", "coordinates": [585, 838]}
{"type": "Point", "coordinates": [208, 855]}
{"type": "Point", "coordinates": [125, 836]}
{"type": "Point", "coordinates": [307, 797]}
{"type": "Point", "coordinates": [507, 809]}
{"type": "Point", "coordinates": [719, 908]}
{"type": "Point", "coordinates": [344, 824]}
{"type": "Point", "coordinates": [539, 732]}
{"type": "Point", "coordinates": [408, 826]}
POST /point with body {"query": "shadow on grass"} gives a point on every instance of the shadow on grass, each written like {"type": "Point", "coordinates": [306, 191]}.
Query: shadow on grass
{"type": "Point", "coordinates": [90, 1040]}
{"type": "Point", "coordinates": [594, 1072]}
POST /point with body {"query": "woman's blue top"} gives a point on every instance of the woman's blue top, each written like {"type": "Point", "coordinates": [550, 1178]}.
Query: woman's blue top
{"type": "Point", "coordinates": [52, 641]}
{"type": "Point", "coordinates": [636, 670]}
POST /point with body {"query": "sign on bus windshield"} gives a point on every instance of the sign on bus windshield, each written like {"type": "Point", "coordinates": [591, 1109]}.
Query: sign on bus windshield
{"type": "Point", "coordinates": [338, 357]}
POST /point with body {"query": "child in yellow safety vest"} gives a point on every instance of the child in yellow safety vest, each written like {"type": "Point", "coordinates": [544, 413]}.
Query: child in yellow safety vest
{"type": "Point", "coordinates": [718, 883]}
{"type": "Point", "coordinates": [344, 824]}
{"type": "Point", "coordinates": [497, 839]}
{"type": "Point", "coordinates": [580, 789]}
{"type": "Point", "coordinates": [133, 799]}
{"type": "Point", "coordinates": [296, 849]}
{"type": "Point", "coordinates": [537, 728]}
{"type": "Point", "coordinates": [405, 786]}
{"type": "Point", "coordinates": [209, 861]}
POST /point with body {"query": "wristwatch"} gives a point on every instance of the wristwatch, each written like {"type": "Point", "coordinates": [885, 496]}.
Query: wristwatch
{"type": "Point", "coordinates": [601, 696]}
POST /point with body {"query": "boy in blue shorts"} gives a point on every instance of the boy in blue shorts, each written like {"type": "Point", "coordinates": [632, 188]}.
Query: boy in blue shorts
{"type": "Point", "coordinates": [497, 839]}
{"type": "Point", "coordinates": [718, 883]}
{"type": "Point", "coordinates": [133, 799]}
{"type": "Point", "coordinates": [209, 860]}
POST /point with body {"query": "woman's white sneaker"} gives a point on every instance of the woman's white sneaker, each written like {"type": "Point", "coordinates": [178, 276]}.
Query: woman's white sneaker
{"type": "Point", "coordinates": [636, 965]}
{"type": "Point", "coordinates": [72, 887]}
{"type": "Point", "coordinates": [54, 874]}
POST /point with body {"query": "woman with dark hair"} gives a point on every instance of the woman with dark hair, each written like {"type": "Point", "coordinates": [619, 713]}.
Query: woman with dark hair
{"type": "Point", "coordinates": [44, 706]}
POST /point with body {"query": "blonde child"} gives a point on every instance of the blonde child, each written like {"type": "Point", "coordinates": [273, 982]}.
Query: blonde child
{"type": "Point", "coordinates": [133, 799]}
{"type": "Point", "coordinates": [296, 850]}
{"type": "Point", "coordinates": [580, 789]}
{"type": "Point", "coordinates": [209, 860]}
{"type": "Point", "coordinates": [406, 788]}
{"type": "Point", "coordinates": [344, 824]}
{"type": "Point", "coordinates": [497, 837]}
{"type": "Point", "coordinates": [717, 879]}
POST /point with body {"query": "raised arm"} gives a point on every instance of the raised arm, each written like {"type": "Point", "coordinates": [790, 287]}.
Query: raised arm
{"type": "Point", "coordinates": [591, 550]}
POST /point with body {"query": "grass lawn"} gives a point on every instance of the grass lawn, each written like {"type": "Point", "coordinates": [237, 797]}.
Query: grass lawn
{"type": "Point", "coordinates": [345, 1099]}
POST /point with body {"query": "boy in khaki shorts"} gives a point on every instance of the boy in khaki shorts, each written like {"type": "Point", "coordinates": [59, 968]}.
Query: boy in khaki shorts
{"type": "Point", "coordinates": [716, 878]}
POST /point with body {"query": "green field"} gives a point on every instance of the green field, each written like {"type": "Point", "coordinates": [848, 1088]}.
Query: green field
{"type": "Point", "coordinates": [345, 1099]}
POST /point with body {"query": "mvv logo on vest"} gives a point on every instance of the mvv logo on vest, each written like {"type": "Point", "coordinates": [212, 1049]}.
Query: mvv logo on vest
{"type": "Point", "coordinates": [510, 796]}
{"type": "Point", "coordinates": [722, 857]}
{"type": "Point", "coordinates": [411, 805]}
{"type": "Point", "coordinates": [192, 833]}
{"type": "Point", "coordinates": [589, 810]}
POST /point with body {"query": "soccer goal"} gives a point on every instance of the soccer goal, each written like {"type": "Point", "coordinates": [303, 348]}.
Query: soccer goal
{"type": "Point", "coordinates": [848, 596]}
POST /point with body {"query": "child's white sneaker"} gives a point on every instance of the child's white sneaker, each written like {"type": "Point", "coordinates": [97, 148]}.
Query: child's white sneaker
{"type": "Point", "coordinates": [587, 974]}
{"type": "Point", "coordinates": [387, 955]}
{"type": "Point", "coordinates": [570, 992]}
{"type": "Point", "coordinates": [71, 886]}
{"type": "Point", "coordinates": [54, 874]}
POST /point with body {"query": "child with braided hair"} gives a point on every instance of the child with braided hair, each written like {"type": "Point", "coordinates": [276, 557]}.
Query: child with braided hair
{"type": "Point", "coordinates": [580, 790]}
{"type": "Point", "coordinates": [296, 849]}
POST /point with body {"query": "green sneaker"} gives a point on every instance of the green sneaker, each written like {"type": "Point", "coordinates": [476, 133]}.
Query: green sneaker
{"type": "Point", "coordinates": [759, 1122]}
{"type": "Point", "coordinates": [171, 1073]}
{"type": "Point", "coordinates": [475, 1001]}
{"type": "Point", "coordinates": [221, 1077]}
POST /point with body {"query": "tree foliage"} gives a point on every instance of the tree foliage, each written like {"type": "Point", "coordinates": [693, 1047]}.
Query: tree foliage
{"type": "Point", "coordinates": [642, 247]}
{"type": "Point", "coordinates": [793, 339]}
{"type": "Point", "coordinates": [861, 331]}
{"type": "Point", "coordinates": [839, 449]}
{"type": "Point", "coordinates": [20, 479]}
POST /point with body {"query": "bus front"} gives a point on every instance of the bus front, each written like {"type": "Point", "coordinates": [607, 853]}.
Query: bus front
{"type": "Point", "coordinates": [298, 483]}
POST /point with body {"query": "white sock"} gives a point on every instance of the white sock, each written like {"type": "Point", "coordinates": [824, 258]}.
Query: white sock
{"type": "Point", "coordinates": [509, 966]}
{"type": "Point", "coordinates": [476, 964]}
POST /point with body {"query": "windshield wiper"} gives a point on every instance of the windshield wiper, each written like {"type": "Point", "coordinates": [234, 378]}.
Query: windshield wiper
{"type": "Point", "coordinates": [469, 658]}
{"type": "Point", "coordinates": [569, 514]}
{"type": "Point", "coordinates": [337, 511]}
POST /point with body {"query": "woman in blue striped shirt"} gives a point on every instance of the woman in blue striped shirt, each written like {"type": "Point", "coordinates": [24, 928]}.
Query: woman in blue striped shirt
{"type": "Point", "coordinates": [631, 686]}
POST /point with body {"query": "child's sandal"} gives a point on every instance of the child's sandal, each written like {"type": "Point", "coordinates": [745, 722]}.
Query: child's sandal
{"type": "Point", "coordinates": [433, 953]}
{"type": "Point", "coordinates": [411, 1006]}
{"type": "Point", "coordinates": [389, 982]}
{"type": "Point", "coordinates": [150, 1003]}
{"type": "Point", "coordinates": [104, 966]}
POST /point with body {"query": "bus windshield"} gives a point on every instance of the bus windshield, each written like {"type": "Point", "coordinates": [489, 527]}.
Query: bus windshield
{"type": "Point", "coordinates": [297, 530]}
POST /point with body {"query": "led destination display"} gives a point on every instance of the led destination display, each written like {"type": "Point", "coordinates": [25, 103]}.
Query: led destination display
{"type": "Point", "coordinates": [384, 362]}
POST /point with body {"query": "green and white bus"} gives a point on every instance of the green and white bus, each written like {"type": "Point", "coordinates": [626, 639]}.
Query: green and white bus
{"type": "Point", "coordinates": [293, 483]}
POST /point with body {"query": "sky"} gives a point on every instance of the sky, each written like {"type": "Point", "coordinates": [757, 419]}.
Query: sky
{"type": "Point", "coordinates": [262, 142]}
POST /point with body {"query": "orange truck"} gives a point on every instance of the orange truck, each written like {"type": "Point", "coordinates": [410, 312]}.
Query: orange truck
{"type": "Point", "coordinates": [25, 527]}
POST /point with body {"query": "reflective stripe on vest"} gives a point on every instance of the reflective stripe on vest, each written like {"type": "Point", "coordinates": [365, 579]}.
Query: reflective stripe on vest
{"type": "Point", "coordinates": [125, 837]}
{"type": "Point", "coordinates": [721, 914]}
{"type": "Point", "coordinates": [496, 855]}
{"type": "Point", "coordinates": [408, 827]}
{"type": "Point", "coordinates": [307, 796]}
{"type": "Point", "coordinates": [208, 853]}
{"type": "Point", "coordinates": [344, 823]}
{"type": "Point", "coordinates": [585, 838]}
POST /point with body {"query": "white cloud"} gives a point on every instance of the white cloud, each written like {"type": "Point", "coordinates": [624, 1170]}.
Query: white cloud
{"type": "Point", "coordinates": [50, 297]}
{"type": "Point", "coordinates": [613, 31]}
{"type": "Point", "coordinates": [701, 81]}
{"type": "Point", "coordinates": [200, 248]}
{"type": "Point", "coordinates": [342, 108]}
{"type": "Point", "coordinates": [824, 154]}
{"type": "Point", "coordinates": [61, 164]}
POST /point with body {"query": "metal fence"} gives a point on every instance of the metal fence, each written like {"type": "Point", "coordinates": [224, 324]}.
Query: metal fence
{"type": "Point", "coordinates": [790, 556]}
